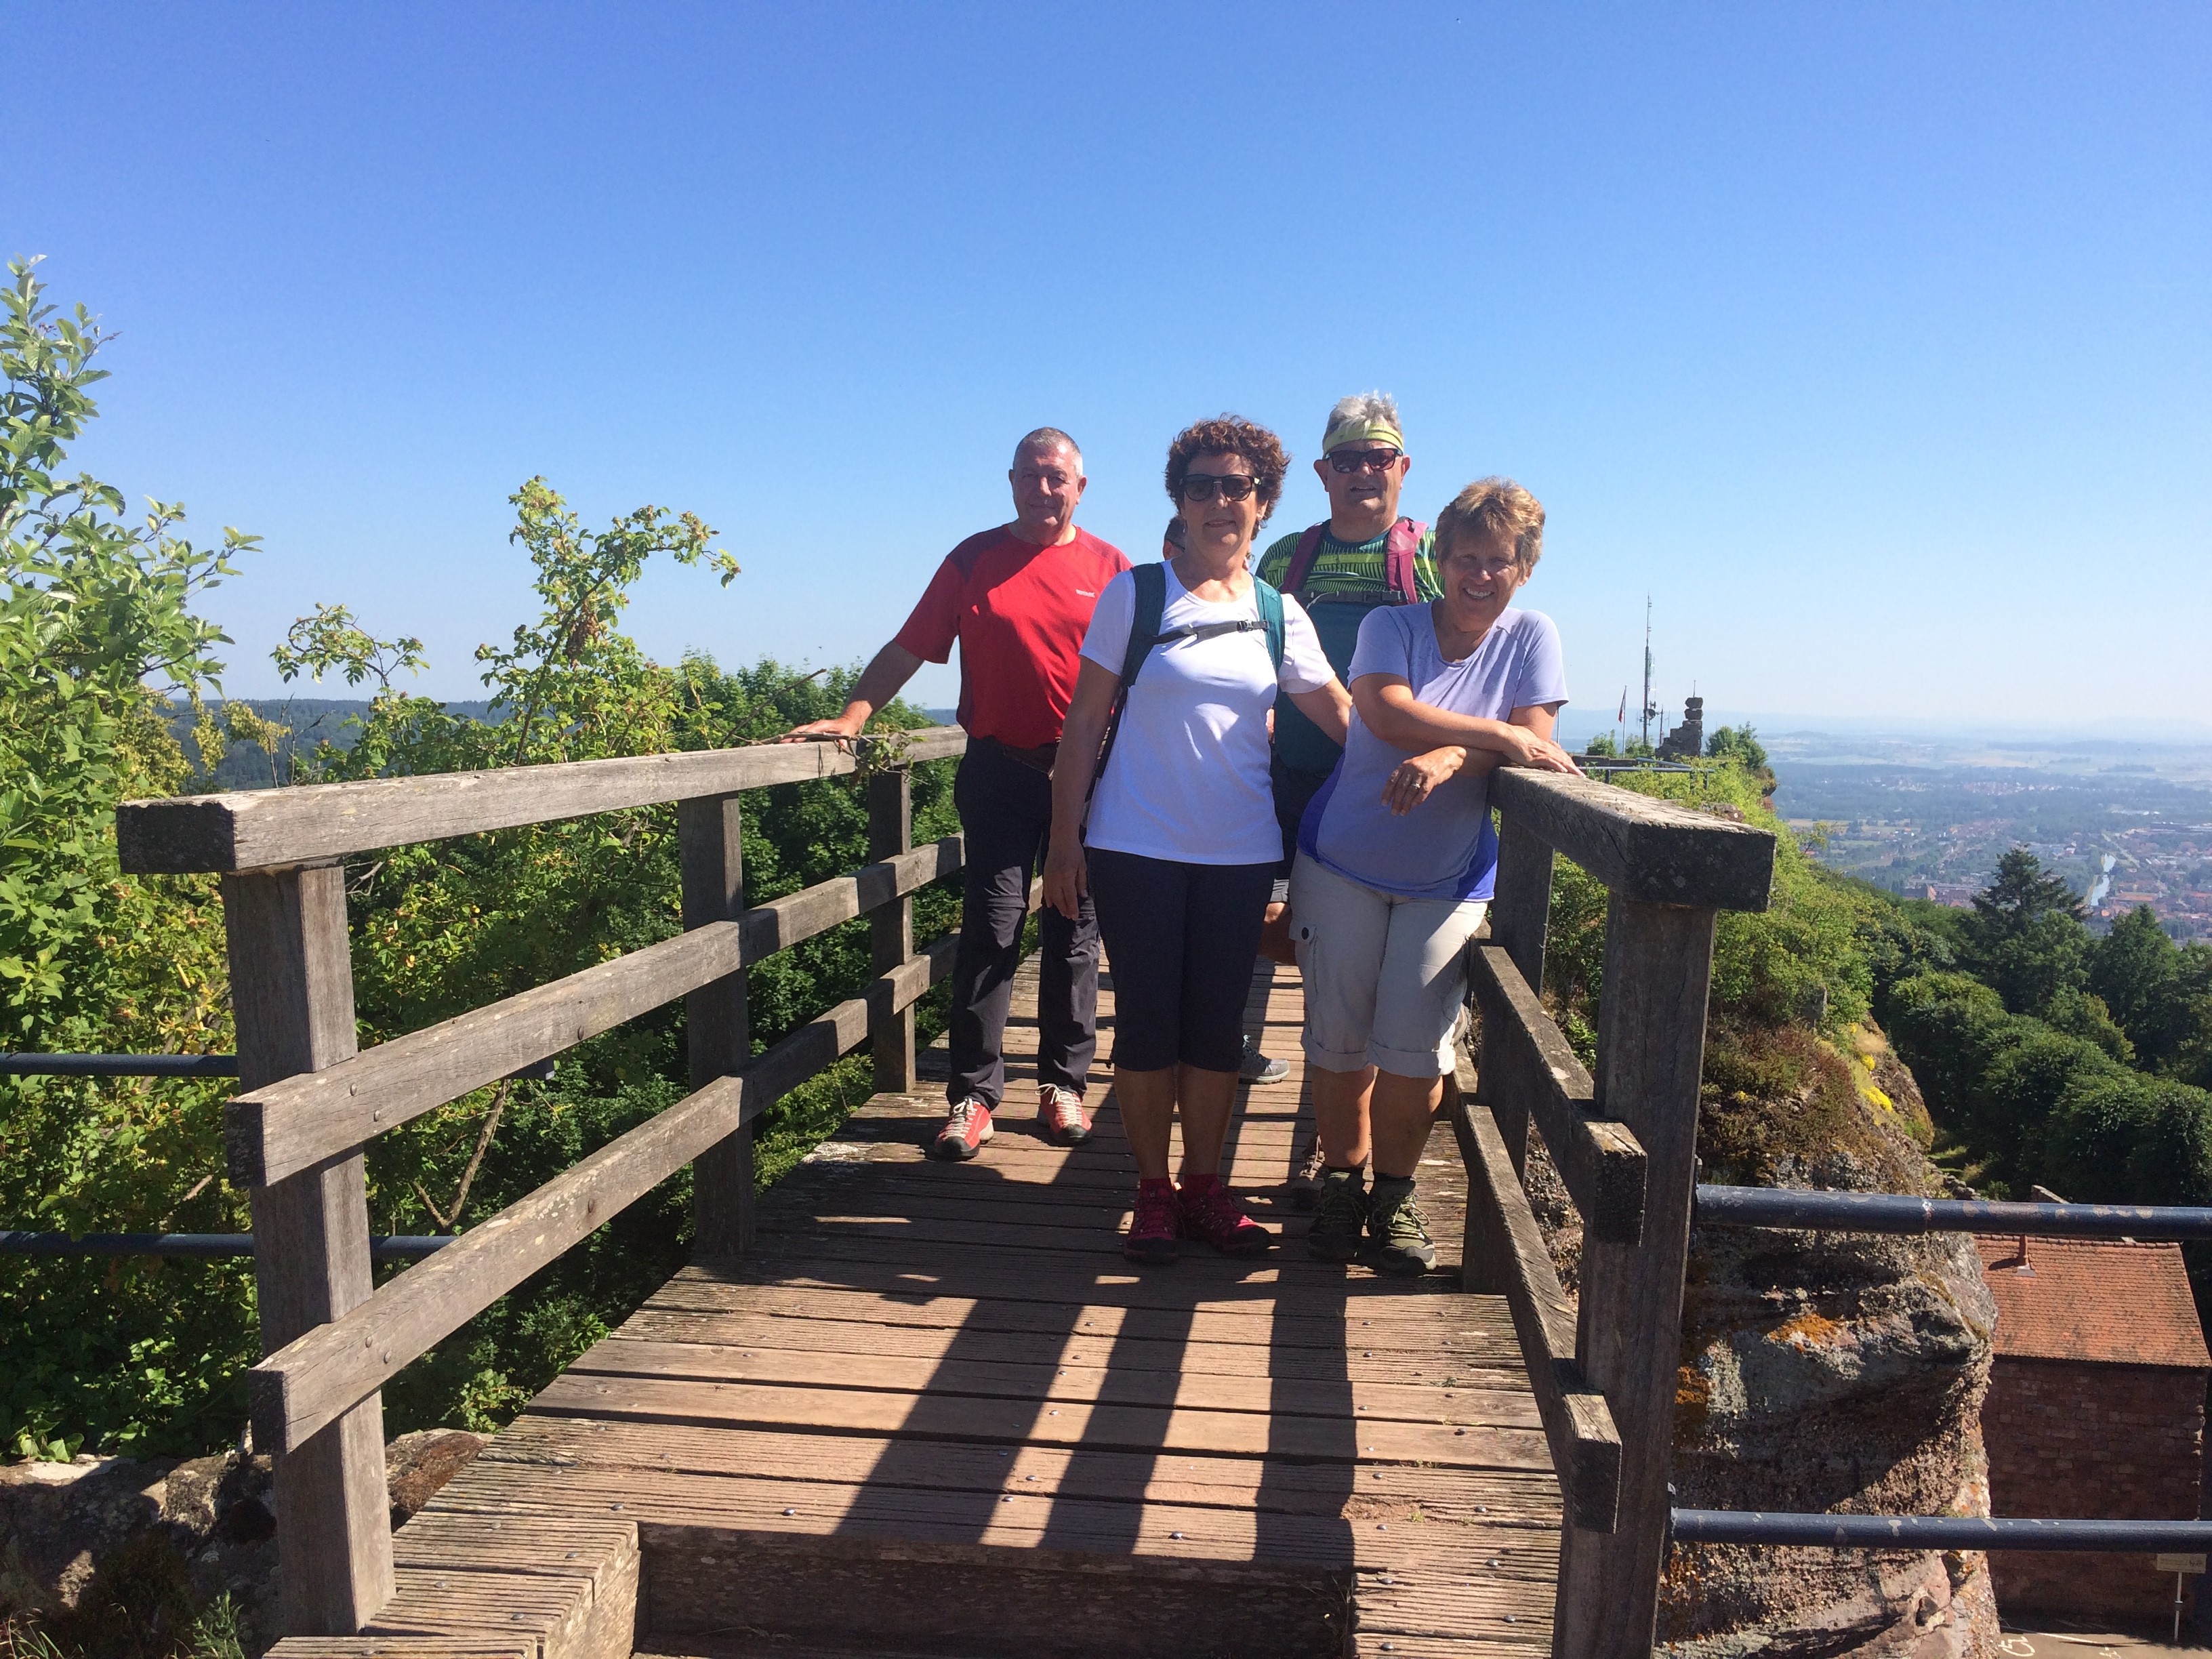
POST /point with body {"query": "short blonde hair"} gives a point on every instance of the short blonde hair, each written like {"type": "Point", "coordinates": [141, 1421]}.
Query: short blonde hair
{"type": "Point", "coordinates": [1501, 507]}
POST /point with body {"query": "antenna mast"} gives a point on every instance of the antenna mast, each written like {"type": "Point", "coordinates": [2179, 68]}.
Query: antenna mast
{"type": "Point", "coordinates": [1648, 711]}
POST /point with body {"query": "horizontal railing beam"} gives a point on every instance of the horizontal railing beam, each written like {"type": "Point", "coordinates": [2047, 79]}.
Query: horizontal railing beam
{"type": "Point", "coordinates": [1805, 1211]}
{"type": "Point", "coordinates": [309, 1384]}
{"type": "Point", "coordinates": [1937, 1532]}
{"type": "Point", "coordinates": [402, 1247]}
{"type": "Point", "coordinates": [1657, 851]}
{"type": "Point", "coordinates": [295, 1124]}
{"type": "Point", "coordinates": [263, 829]}
{"type": "Point", "coordinates": [1601, 1162]}
{"type": "Point", "coordinates": [1578, 1425]}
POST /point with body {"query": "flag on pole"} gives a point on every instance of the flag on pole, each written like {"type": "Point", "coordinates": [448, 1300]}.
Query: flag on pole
{"type": "Point", "coordinates": [1622, 718]}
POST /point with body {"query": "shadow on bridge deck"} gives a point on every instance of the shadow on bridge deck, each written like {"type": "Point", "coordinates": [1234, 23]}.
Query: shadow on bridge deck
{"type": "Point", "coordinates": [937, 1412]}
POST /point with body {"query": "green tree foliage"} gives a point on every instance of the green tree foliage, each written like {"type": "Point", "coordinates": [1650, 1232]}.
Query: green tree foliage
{"type": "Point", "coordinates": [2026, 938]}
{"type": "Point", "coordinates": [1739, 746]}
{"type": "Point", "coordinates": [98, 632]}
{"type": "Point", "coordinates": [2159, 994]}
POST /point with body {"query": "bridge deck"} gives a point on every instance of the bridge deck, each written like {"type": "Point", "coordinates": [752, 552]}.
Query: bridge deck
{"type": "Point", "coordinates": [938, 1402]}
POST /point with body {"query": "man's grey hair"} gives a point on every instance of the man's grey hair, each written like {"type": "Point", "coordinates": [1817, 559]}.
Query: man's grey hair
{"type": "Point", "coordinates": [1363, 406]}
{"type": "Point", "coordinates": [1048, 438]}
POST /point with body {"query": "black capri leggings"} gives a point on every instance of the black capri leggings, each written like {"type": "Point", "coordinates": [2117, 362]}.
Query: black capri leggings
{"type": "Point", "coordinates": [1181, 938]}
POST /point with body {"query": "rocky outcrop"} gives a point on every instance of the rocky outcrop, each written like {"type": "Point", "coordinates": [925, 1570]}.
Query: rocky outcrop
{"type": "Point", "coordinates": [162, 1539]}
{"type": "Point", "coordinates": [1821, 1372]}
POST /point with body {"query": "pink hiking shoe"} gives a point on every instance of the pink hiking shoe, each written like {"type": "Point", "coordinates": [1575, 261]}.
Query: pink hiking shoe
{"type": "Point", "coordinates": [1152, 1236]}
{"type": "Point", "coordinates": [1061, 1116]}
{"type": "Point", "coordinates": [1209, 1213]}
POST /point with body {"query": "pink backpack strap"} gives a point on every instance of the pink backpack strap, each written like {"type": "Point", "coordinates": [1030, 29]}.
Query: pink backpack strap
{"type": "Point", "coordinates": [1302, 560]}
{"type": "Point", "coordinates": [1399, 558]}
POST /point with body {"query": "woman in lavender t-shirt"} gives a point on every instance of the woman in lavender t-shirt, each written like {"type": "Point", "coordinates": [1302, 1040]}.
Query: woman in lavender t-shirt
{"type": "Point", "coordinates": [1396, 858]}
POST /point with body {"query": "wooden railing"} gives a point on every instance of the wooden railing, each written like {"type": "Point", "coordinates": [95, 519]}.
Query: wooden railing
{"type": "Point", "coordinates": [1625, 1144]}
{"type": "Point", "coordinates": [309, 1103]}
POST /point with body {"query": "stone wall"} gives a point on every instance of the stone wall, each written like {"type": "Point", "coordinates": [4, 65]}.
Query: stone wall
{"type": "Point", "coordinates": [2071, 1439]}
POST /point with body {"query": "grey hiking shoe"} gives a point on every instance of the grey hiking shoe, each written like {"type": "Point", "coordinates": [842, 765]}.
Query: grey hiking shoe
{"type": "Point", "coordinates": [1398, 1230]}
{"type": "Point", "coordinates": [1339, 1223]}
{"type": "Point", "coordinates": [1257, 1067]}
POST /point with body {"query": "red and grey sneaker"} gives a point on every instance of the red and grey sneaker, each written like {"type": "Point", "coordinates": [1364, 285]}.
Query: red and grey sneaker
{"type": "Point", "coordinates": [1209, 1213]}
{"type": "Point", "coordinates": [1061, 1117]}
{"type": "Point", "coordinates": [1152, 1236]}
{"type": "Point", "coordinates": [967, 1126]}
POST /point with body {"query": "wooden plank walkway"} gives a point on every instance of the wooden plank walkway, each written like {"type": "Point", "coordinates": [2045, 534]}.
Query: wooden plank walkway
{"type": "Point", "coordinates": [937, 1412]}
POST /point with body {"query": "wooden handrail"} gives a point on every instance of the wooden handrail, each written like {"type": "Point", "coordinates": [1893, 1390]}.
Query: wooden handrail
{"type": "Point", "coordinates": [270, 828]}
{"type": "Point", "coordinates": [311, 1382]}
{"type": "Point", "coordinates": [1625, 1144]}
{"type": "Point", "coordinates": [294, 1124]}
{"type": "Point", "coordinates": [1657, 852]}
{"type": "Point", "coordinates": [1599, 1160]}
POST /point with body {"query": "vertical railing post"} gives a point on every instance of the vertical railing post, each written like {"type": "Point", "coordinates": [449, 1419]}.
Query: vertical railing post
{"type": "Point", "coordinates": [1650, 1052]}
{"type": "Point", "coordinates": [1519, 912]}
{"type": "Point", "coordinates": [720, 1037]}
{"type": "Point", "coordinates": [890, 928]}
{"type": "Point", "coordinates": [291, 978]}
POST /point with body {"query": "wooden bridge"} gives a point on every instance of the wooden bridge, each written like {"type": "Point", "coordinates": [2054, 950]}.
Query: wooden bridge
{"type": "Point", "coordinates": [904, 1409]}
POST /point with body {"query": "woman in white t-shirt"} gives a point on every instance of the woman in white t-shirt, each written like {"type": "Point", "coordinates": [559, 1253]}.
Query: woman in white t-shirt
{"type": "Point", "coordinates": [1182, 841]}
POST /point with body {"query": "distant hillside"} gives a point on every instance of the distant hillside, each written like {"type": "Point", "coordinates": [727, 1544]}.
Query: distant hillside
{"type": "Point", "coordinates": [308, 723]}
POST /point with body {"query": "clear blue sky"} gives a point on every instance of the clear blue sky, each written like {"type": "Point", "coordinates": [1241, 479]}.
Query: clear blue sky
{"type": "Point", "coordinates": [1875, 341]}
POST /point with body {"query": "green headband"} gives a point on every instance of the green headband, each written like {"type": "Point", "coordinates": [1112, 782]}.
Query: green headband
{"type": "Point", "coordinates": [1352, 432]}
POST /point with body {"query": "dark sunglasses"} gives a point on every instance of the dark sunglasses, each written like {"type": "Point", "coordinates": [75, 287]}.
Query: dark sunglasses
{"type": "Point", "coordinates": [1354, 460]}
{"type": "Point", "coordinates": [1200, 487]}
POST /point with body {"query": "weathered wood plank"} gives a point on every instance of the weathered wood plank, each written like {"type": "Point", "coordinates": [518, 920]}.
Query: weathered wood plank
{"type": "Point", "coordinates": [718, 1032]}
{"type": "Point", "coordinates": [261, 829]}
{"type": "Point", "coordinates": [1585, 1445]}
{"type": "Point", "coordinates": [1642, 848]}
{"type": "Point", "coordinates": [277, 1130]}
{"type": "Point", "coordinates": [306, 1384]}
{"type": "Point", "coordinates": [292, 992]}
{"type": "Point", "coordinates": [890, 927]}
{"type": "Point", "coordinates": [1599, 1160]}
{"type": "Point", "coordinates": [1652, 1032]}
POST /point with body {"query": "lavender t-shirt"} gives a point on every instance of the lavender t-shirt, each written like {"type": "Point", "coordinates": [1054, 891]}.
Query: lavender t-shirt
{"type": "Point", "coordinates": [1445, 846]}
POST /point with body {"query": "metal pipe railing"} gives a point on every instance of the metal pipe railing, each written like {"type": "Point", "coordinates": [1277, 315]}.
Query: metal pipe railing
{"type": "Point", "coordinates": [1887, 1212]}
{"type": "Point", "coordinates": [1936, 1531]}
{"type": "Point", "coordinates": [118, 1065]}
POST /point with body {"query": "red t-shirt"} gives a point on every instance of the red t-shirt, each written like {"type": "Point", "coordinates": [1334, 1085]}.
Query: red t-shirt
{"type": "Point", "coordinates": [1019, 612]}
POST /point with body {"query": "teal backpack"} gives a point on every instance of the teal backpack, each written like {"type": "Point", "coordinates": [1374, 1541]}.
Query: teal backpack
{"type": "Point", "coordinates": [1151, 580]}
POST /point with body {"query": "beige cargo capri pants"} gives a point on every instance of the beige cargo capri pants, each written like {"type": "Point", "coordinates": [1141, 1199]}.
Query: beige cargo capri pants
{"type": "Point", "coordinates": [1384, 975]}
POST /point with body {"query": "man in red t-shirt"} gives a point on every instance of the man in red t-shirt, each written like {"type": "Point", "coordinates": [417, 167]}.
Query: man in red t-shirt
{"type": "Point", "coordinates": [1018, 600]}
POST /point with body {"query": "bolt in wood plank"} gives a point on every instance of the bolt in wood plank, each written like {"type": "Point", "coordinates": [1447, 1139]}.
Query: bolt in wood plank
{"type": "Point", "coordinates": [890, 927]}
{"type": "Point", "coordinates": [711, 857]}
{"type": "Point", "coordinates": [1652, 1032]}
{"type": "Point", "coordinates": [291, 975]}
{"type": "Point", "coordinates": [263, 829]}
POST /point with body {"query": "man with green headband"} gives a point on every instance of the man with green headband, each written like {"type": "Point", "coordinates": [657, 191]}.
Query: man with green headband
{"type": "Point", "coordinates": [1362, 556]}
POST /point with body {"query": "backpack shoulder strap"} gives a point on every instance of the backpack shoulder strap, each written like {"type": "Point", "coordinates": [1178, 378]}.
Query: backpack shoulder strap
{"type": "Point", "coordinates": [1270, 603]}
{"type": "Point", "coordinates": [1400, 554]}
{"type": "Point", "coordinates": [1302, 560]}
{"type": "Point", "coordinates": [1152, 583]}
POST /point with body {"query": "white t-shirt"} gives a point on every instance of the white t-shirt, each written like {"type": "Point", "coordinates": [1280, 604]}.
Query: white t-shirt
{"type": "Point", "coordinates": [1187, 780]}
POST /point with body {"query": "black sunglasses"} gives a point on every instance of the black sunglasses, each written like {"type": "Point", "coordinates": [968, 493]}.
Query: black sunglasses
{"type": "Point", "coordinates": [1200, 486]}
{"type": "Point", "coordinates": [1354, 460]}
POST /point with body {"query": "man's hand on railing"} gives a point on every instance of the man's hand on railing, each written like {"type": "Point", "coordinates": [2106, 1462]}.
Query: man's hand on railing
{"type": "Point", "coordinates": [841, 730]}
{"type": "Point", "coordinates": [1524, 748]}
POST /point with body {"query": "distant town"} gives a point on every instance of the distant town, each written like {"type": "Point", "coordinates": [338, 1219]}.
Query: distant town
{"type": "Point", "coordinates": [2127, 823]}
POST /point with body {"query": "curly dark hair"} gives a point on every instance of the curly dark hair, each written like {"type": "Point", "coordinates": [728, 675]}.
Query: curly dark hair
{"type": "Point", "coordinates": [1230, 435]}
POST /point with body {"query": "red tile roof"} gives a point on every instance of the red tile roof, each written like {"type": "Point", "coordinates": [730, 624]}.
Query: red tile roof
{"type": "Point", "coordinates": [2109, 1300]}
